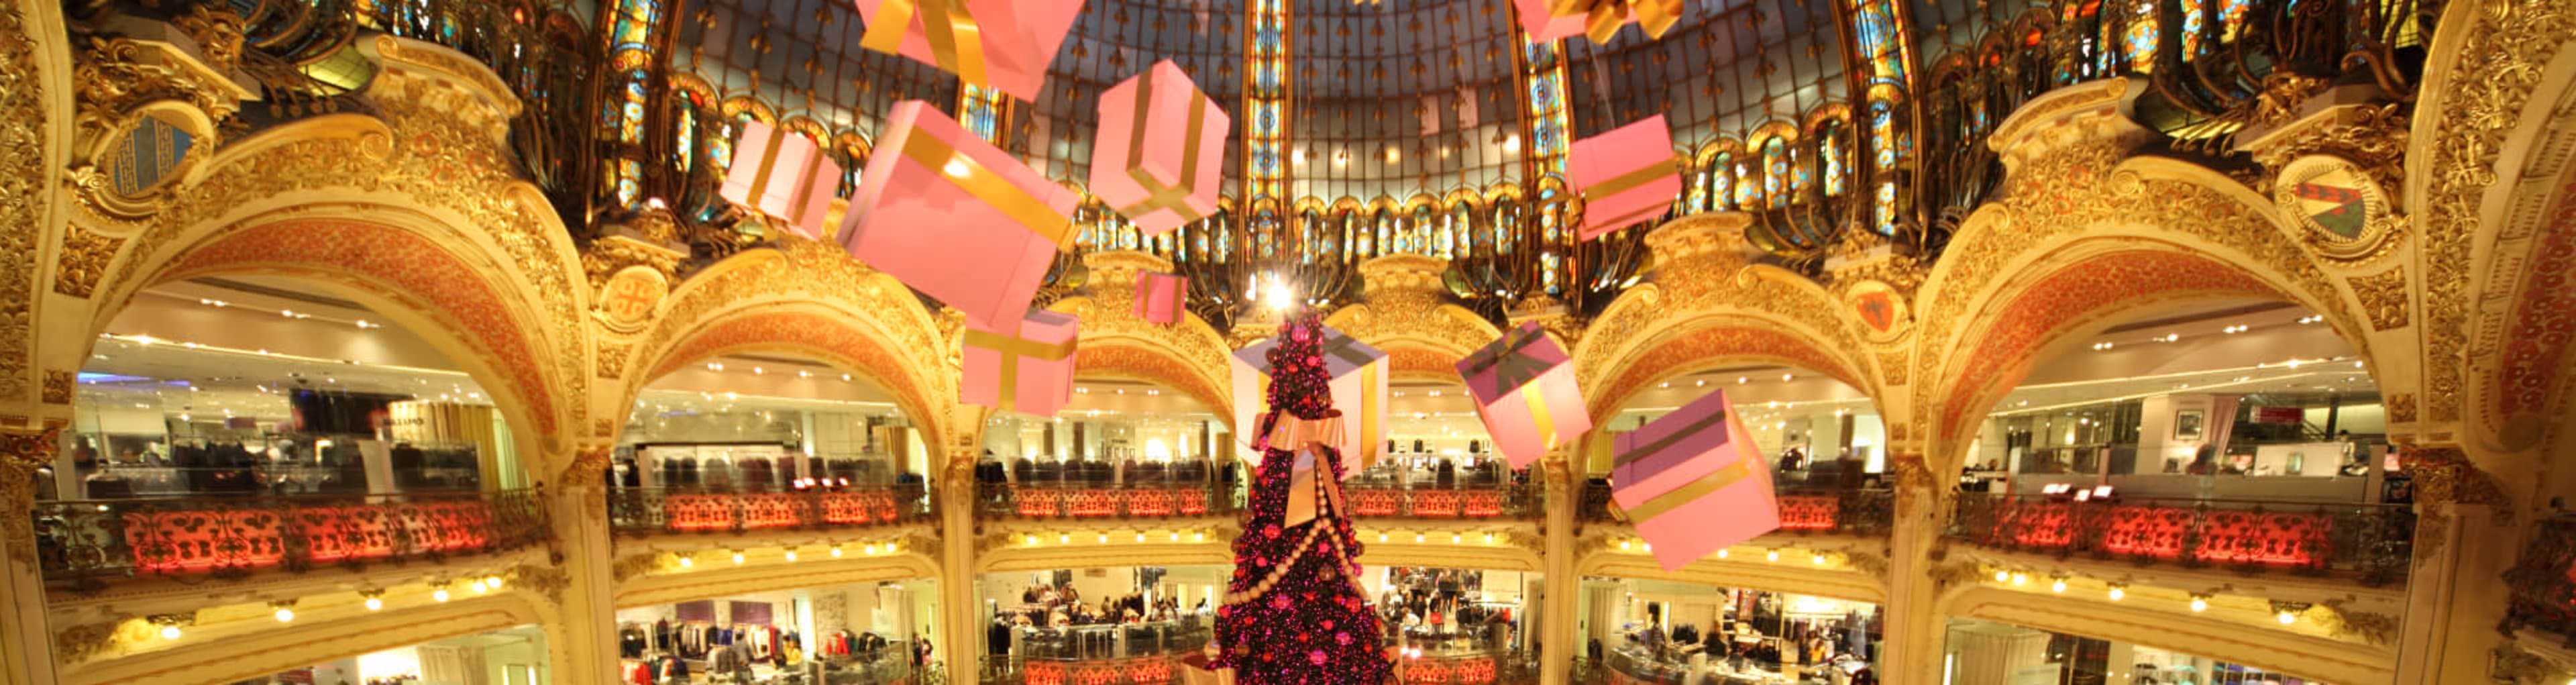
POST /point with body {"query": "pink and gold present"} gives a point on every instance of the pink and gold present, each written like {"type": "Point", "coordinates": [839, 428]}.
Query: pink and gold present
{"type": "Point", "coordinates": [1359, 385]}
{"type": "Point", "coordinates": [1161, 298]}
{"type": "Point", "coordinates": [1525, 393]}
{"type": "Point", "coordinates": [1626, 175]}
{"type": "Point", "coordinates": [1693, 482]}
{"type": "Point", "coordinates": [956, 218]}
{"type": "Point", "coordinates": [1160, 149]}
{"type": "Point", "coordinates": [1003, 44]}
{"type": "Point", "coordinates": [1029, 371]}
{"type": "Point", "coordinates": [783, 174]}
{"type": "Point", "coordinates": [1546, 20]}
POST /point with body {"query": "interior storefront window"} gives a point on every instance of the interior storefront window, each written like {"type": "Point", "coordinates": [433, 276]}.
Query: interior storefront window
{"type": "Point", "coordinates": [2006, 654]}
{"type": "Point", "coordinates": [763, 424]}
{"type": "Point", "coordinates": [513, 656]}
{"type": "Point", "coordinates": [1655, 631]}
{"type": "Point", "coordinates": [862, 633]}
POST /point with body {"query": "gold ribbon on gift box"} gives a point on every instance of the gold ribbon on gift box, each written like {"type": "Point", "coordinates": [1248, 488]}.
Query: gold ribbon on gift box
{"type": "Point", "coordinates": [956, 41]}
{"type": "Point", "coordinates": [1717, 419]}
{"type": "Point", "coordinates": [1176, 296]}
{"type": "Point", "coordinates": [1173, 196]}
{"type": "Point", "coordinates": [1292, 433]}
{"type": "Point", "coordinates": [1603, 17]}
{"type": "Point", "coordinates": [1012, 349]}
{"type": "Point", "coordinates": [1665, 503]}
{"type": "Point", "coordinates": [1024, 208]}
{"type": "Point", "coordinates": [1512, 368]}
{"type": "Point", "coordinates": [1633, 179]}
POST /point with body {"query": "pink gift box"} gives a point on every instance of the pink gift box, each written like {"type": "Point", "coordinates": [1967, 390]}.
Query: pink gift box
{"type": "Point", "coordinates": [1160, 150]}
{"type": "Point", "coordinates": [1525, 393]}
{"type": "Point", "coordinates": [956, 218]}
{"type": "Point", "coordinates": [1161, 298]}
{"type": "Point", "coordinates": [1013, 39]}
{"type": "Point", "coordinates": [1694, 482]}
{"type": "Point", "coordinates": [1546, 20]}
{"type": "Point", "coordinates": [1626, 175]}
{"type": "Point", "coordinates": [783, 174]}
{"type": "Point", "coordinates": [1359, 388]}
{"type": "Point", "coordinates": [1030, 372]}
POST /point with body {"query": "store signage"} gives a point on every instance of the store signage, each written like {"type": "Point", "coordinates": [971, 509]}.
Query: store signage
{"type": "Point", "coordinates": [2279, 414]}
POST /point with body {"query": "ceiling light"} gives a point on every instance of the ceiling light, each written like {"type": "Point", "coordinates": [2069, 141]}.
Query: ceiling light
{"type": "Point", "coordinates": [375, 603]}
{"type": "Point", "coordinates": [2199, 603]}
{"type": "Point", "coordinates": [791, 555]}
{"type": "Point", "coordinates": [836, 549]}
{"type": "Point", "coordinates": [1817, 559]}
{"type": "Point", "coordinates": [2002, 576]}
{"type": "Point", "coordinates": [2118, 591]}
{"type": "Point", "coordinates": [494, 581]}
{"type": "Point", "coordinates": [1788, 377]}
{"type": "Point", "coordinates": [440, 595]}
{"type": "Point", "coordinates": [2058, 585]}
{"type": "Point", "coordinates": [2286, 617]}
{"type": "Point", "coordinates": [737, 557]}
{"type": "Point", "coordinates": [170, 632]}
{"type": "Point", "coordinates": [1773, 555]}
{"type": "Point", "coordinates": [686, 562]}
{"type": "Point", "coordinates": [285, 615]}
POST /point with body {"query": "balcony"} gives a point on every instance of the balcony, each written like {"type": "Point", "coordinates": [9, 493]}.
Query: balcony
{"type": "Point", "coordinates": [2370, 541]}
{"type": "Point", "coordinates": [643, 512]}
{"type": "Point", "coordinates": [1802, 511]}
{"type": "Point", "coordinates": [1103, 500]}
{"type": "Point", "coordinates": [1457, 502]}
{"type": "Point", "coordinates": [2544, 581]}
{"type": "Point", "coordinates": [84, 545]}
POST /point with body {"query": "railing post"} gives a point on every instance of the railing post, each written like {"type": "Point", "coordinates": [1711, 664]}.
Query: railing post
{"type": "Point", "coordinates": [26, 648]}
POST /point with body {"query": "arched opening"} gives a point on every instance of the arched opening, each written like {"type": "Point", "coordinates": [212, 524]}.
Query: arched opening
{"type": "Point", "coordinates": [323, 420]}
{"type": "Point", "coordinates": [2232, 430]}
{"type": "Point", "coordinates": [768, 438]}
{"type": "Point", "coordinates": [1122, 447]}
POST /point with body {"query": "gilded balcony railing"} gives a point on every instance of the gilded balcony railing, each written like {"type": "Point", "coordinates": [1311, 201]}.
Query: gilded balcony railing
{"type": "Point", "coordinates": [1458, 502]}
{"type": "Point", "coordinates": [1105, 500]}
{"type": "Point", "coordinates": [84, 544]}
{"type": "Point", "coordinates": [2372, 541]}
{"type": "Point", "coordinates": [654, 511]}
{"type": "Point", "coordinates": [1803, 511]}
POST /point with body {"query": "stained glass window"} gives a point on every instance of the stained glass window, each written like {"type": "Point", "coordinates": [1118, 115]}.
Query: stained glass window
{"type": "Point", "coordinates": [1830, 154]}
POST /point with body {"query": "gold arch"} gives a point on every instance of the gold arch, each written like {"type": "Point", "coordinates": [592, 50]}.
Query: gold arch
{"type": "Point", "coordinates": [2219, 638]}
{"type": "Point", "coordinates": [335, 198]}
{"type": "Point", "coordinates": [1405, 317]}
{"type": "Point", "coordinates": [671, 588]}
{"type": "Point", "coordinates": [1707, 303]}
{"type": "Point", "coordinates": [1189, 355]}
{"type": "Point", "coordinates": [260, 651]}
{"type": "Point", "coordinates": [803, 298]}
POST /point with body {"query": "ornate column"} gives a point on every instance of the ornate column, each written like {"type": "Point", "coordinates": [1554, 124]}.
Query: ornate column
{"type": "Point", "coordinates": [26, 649]}
{"type": "Point", "coordinates": [581, 631]}
{"type": "Point", "coordinates": [2466, 537]}
{"type": "Point", "coordinates": [1558, 636]}
{"type": "Point", "coordinates": [960, 625]}
{"type": "Point", "coordinates": [1913, 629]}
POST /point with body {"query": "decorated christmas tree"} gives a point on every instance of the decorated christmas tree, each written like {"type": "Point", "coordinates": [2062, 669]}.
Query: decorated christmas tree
{"type": "Point", "coordinates": [1294, 611]}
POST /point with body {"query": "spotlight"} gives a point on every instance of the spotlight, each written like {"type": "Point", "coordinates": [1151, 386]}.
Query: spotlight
{"type": "Point", "coordinates": [892, 546]}
{"type": "Point", "coordinates": [1721, 553]}
{"type": "Point", "coordinates": [2019, 579]}
{"type": "Point", "coordinates": [1773, 555]}
{"type": "Point", "coordinates": [440, 595]}
{"type": "Point", "coordinates": [2118, 591]}
{"type": "Point", "coordinates": [2001, 576]}
{"type": "Point", "coordinates": [2058, 585]}
{"type": "Point", "coordinates": [1032, 542]}
{"type": "Point", "coordinates": [285, 615]}
{"type": "Point", "coordinates": [2287, 618]}
{"type": "Point", "coordinates": [170, 632]}
{"type": "Point", "coordinates": [737, 558]}
{"type": "Point", "coordinates": [2199, 603]}
{"type": "Point", "coordinates": [836, 549]}
{"type": "Point", "coordinates": [872, 547]}
{"type": "Point", "coordinates": [1198, 537]}
{"type": "Point", "coordinates": [375, 604]}
{"type": "Point", "coordinates": [1818, 559]}
{"type": "Point", "coordinates": [494, 581]}
{"type": "Point", "coordinates": [791, 555]}
{"type": "Point", "coordinates": [686, 562]}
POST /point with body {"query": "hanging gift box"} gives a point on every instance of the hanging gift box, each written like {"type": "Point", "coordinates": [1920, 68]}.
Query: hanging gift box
{"type": "Point", "coordinates": [1002, 44]}
{"type": "Point", "coordinates": [1160, 150]}
{"type": "Point", "coordinates": [1161, 298]}
{"type": "Point", "coordinates": [1030, 372]}
{"type": "Point", "coordinates": [956, 218]}
{"type": "Point", "coordinates": [1693, 482]}
{"type": "Point", "coordinates": [1359, 374]}
{"type": "Point", "coordinates": [783, 174]}
{"type": "Point", "coordinates": [1626, 175]}
{"type": "Point", "coordinates": [1546, 20]}
{"type": "Point", "coordinates": [1525, 393]}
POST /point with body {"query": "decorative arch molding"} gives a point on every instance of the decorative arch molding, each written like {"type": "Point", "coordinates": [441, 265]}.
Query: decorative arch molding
{"type": "Point", "coordinates": [673, 588]}
{"type": "Point", "coordinates": [406, 276]}
{"type": "Point", "coordinates": [258, 653]}
{"type": "Point", "coordinates": [2493, 75]}
{"type": "Point", "coordinates": [2059, 301]}
{"type": "Point", "coordinates": [1406, 314]}
{"type": "Point", "coordinates": [803, 298]}
{"type": "Point", "coordinates": [442, 185]}
{"type": "Point", "coordinates": [2269, 649]}
{"type": "Point", "coordinates": [1708, 302]}
{"type": "Point", "coordinates": [1800, 578]}
{"type": "Point", "coordinates": [1189, 355]}
{"type": "Point", "coordinates": [1439, 553]}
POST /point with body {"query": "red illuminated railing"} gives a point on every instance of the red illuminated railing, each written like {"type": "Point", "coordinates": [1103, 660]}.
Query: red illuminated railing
{"type": "Point", "coordinates": [1103, 501]}
{"type": "Point", "coordinates": [1509, 500]}
{"type": "Point", "coordinates": [648, 511]}
{"type": "Point", "coordinates": [83, 544]}
{"type": "Point", "coordinates": [2372, 540]}
{"type": "Point", "coordinates": [1847, 512]}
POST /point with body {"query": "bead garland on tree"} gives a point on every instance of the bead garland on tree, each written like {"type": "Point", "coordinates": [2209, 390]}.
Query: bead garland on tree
{"type": "Point", "coordinates": [1294, 611]}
